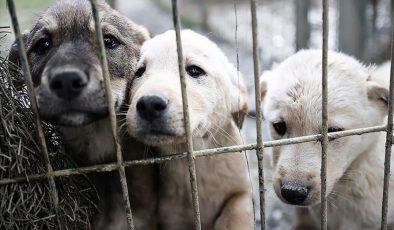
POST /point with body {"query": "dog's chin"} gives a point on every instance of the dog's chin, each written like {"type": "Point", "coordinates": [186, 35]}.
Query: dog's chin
{"type": "Point", "coordinates": [158, 138]}
{"type": "Point", "coordinates": [75, 119]}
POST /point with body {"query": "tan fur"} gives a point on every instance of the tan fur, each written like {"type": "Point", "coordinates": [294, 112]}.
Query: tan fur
{"type": "Point", "coordinates": [292, 93]}
{"type": "Point", "coordinates": [223, 185]}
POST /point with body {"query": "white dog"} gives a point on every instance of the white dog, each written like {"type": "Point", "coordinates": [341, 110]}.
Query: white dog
{"type": "Point", "coordinates": [155, 117]}
{"type": "Point", "coordinates": [291, 96]}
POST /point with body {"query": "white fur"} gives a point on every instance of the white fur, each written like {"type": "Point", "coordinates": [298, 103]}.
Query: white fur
{"type": "Point", "coordinates": [224, 193]}
{"type": "Point", "coordinates": [292, 93]}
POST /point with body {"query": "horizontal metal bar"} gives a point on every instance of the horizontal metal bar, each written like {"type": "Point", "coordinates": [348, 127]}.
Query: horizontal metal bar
{"type": "Point", "coordinates": [201, 153]}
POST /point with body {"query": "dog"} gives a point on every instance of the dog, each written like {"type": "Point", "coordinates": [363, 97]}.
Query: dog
{"type": "Point", "coordinates": [382, 74]}
{"type": "Point", "coordinates": [291, 98]}
{"type": "Point", "coordinates": [216, 93]}
{"type": "Point", "coordinates": [68, 81]}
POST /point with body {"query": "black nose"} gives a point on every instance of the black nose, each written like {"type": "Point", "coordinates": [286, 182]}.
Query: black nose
{"type": "Point", "coordinates": [68, 84]}
{"type": "Point", "coordinates": [150, 108]}
{"type": "Point", "coordinates": [294, 192]}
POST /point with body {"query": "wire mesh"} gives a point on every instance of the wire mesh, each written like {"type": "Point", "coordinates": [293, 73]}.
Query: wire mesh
{"type": "Point", "coordinates": [259, 146]}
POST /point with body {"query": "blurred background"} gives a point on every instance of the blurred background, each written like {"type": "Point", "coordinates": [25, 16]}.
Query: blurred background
{"type": "Point", "coordinates": [361, 28]}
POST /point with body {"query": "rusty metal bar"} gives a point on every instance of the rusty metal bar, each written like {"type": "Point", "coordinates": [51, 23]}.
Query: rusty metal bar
{"type": "Point", "coordinates": [112, 114]}
{"type": "Point", "coordinates": [33, 102]}
{"type": "Point", "coordinates": [259, 117]}
{"type": "Point", "coordinates": [199, 153]}
{"type": "Point", "coordinates": [186, 117]}
{"type": "Point", "coordinates": [389, 140]}
{"type": "Point", "coordinates": [324, 140]}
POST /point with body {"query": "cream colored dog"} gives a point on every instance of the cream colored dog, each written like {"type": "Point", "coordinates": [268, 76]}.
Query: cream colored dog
{"type": "Point", "coordinates": [155, 117]}
{"type": "Point", "coordinates": [292, 106]}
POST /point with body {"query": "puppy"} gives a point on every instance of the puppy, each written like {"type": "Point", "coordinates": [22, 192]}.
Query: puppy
{"type": "Point", "coordinates": [291, 96]}
{"type": "Point", "coordinates": [68, 82]}
{"type": "Point", "coordinates": [215, 92]}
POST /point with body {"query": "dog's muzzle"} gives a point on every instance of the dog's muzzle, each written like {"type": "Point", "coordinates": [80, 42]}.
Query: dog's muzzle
{"type": "Point", "coordinates": [294, 192]}
{"type": "Point", "coordinates": [68, 84]}
{"type": "Point", "coordinates": [151, 108]}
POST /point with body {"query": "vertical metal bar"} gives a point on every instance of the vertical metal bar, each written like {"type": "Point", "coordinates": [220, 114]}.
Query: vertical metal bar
{"type": "Point", "coordinates": [112, 114]}
{"type": "Point", "coordinates": [324, 140]}
{"type": "Point", "coordinates": [260, 144]}
{"type": "Point", "coordinates": [29, 82]}
{"type": "Point", "coordinates": [389, 140]}
{"type": "Point", "coordinates": [189, 141]}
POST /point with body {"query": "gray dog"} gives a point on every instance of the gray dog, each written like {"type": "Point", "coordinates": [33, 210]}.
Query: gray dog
{"type": "Point", "coordinates": [68, 82]}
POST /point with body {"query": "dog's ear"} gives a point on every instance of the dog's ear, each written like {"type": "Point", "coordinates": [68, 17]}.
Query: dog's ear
{"type": "Point", "coordinates": [379, 94]}
{"type": "Point", "coordinates": [239, 97]}
{"type": "Point", "coordinates": [143, 34]}
{"type": "Point", "coordinates": [263, 83]}
{"type": "Point", "coordinates": [13, 56]}
{"type": "Point", "coordinates": [14, 63]}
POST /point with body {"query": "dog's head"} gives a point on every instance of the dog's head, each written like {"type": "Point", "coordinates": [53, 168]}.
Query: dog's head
{"type": "Point", "coordinates": [63, 55]}
{"type": "Point", "coordinates": [292, 106]}
{"type": "Point", "coordinates": [215, 90]}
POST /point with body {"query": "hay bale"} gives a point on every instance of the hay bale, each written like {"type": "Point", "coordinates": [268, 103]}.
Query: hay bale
{"type": "Point", "coordinates": [29, 205]}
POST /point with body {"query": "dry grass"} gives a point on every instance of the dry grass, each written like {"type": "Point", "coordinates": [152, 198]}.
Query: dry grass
{"type": "Point", "coordinates": [29, 205]}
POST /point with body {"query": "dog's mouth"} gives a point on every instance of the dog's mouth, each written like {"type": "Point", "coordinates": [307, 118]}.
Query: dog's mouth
{"type": "Point", "coordinates": [75, 118]}
{"type": "Point", "coordinates": [159, 136]}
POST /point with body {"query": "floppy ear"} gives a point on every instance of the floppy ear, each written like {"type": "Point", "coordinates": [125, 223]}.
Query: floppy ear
{"type": "Point", "coordinates": [379, 94]}
{"type": "Point", "coordinates": [14, 63]}
{"type": "Point", "coordinates": [239, 97]}
{"type": "Point", "coordinates": [13, 56]}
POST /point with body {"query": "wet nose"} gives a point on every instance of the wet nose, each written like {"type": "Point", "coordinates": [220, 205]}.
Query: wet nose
{"type": "Point", "coordinates": [150, 108]}
{"type": "Point", "coordinates": [68, 84]}
{"type": "Point", "coordinates": [294, 192]}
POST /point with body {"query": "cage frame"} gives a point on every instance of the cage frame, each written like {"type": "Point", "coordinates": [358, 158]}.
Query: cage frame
{"type": "Point", "coordinates": [191, 154]}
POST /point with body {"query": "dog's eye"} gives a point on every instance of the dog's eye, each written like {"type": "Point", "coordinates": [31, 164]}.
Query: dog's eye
{"type": "Point", "coordinates": [42, 46]}
{"type": "Point", "coordinates": [110, 42]}
{"type": "Point", "coordinates": [334, 129]}
{"type": "Point", "coordinates": [140, 71]}
{"type": "Point", "coordinates": [280, 127]}
{"type": "Point", "coordinates": [194, 71]}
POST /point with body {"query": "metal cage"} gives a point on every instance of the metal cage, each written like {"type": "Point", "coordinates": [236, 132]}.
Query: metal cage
{"type": "Point", "coordinates": [259, 146]}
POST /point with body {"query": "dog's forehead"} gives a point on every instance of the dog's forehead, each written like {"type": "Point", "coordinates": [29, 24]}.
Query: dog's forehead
{"type": "Point", "coordinates": [195, 46]}
{"type": "Point", "coordinates": [295, 89]}
{"type": "Point", "coordinates": [69, 16]}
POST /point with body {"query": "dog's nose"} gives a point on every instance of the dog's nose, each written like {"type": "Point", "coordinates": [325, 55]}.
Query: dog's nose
{"type": "Point", "coordinates": [151, 107]}
{"type": "Point", "coordinates": [294, 192]}
{"type": "Point", "coordinates": [68, 84]}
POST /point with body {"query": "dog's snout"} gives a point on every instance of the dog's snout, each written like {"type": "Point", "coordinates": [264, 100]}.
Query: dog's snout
{"type": "Point", "coordinates": [68, 84]}
{"type": "Point", "coordinates": [151, 107]}
{"type": "Point", "coordinates": [294, 192]}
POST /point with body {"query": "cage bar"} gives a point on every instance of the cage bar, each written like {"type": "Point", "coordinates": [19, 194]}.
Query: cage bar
{"type": "Point", "coordinates": [324, 140]}
{"type": "Point", "coordinates": [259, 146]}
{"type": "Point", "coordinates": [389, 140]}
{"type": "Point", "coordinates": [112, 114]}
{"type": "Point", "coordinates": [33, 102]}
{"type": "Point", "coordinates": [259, 117]}
{"type": "Point", "coordinates": [186, 117]}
